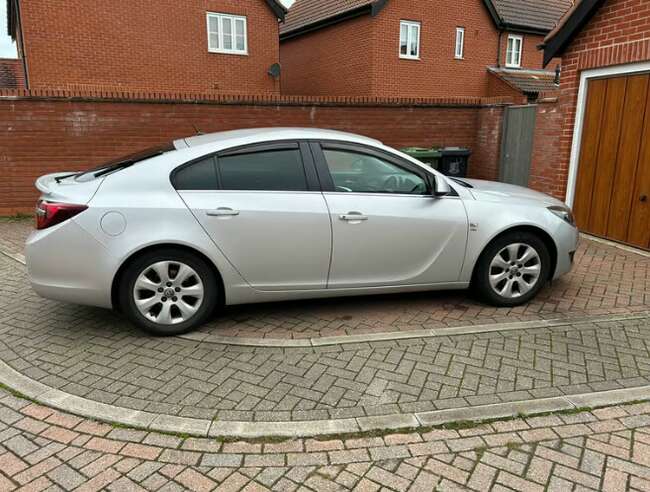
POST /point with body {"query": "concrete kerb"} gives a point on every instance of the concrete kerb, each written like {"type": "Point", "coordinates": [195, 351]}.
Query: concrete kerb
{"type": "Point", "coordinates": [406, 335]}
{"type": "Point", "coordinates": [156, 422]}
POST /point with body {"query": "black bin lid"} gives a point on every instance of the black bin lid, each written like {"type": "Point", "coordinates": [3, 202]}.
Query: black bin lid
{"type": "Point", "coordinates": [455, 152]}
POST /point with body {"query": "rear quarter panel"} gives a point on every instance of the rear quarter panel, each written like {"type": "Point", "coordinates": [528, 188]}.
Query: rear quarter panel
{"type": "Point", "coordinates": [153, 214]}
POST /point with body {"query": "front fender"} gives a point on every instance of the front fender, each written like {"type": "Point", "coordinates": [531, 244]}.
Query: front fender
{"type": "Point", "coordinates": [490, 220]}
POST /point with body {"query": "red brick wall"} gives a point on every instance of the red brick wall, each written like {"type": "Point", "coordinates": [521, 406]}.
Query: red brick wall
{"type": "Point", "coordinates": [361, 57]}
{"type": "Point", "coordinates": [143, 45]}
{"type": "Point", "coordinates": [437, 73]}
{"type": "Point", "coordinates": [40, 135]}
{"type": "Point", "coordinates": [498, 88]}
{"type": "Point", "coordinates": [618, 34]}
{"type": "Point", "coordinates": [531, 57]}
{"type": "Point", "coordinates": [12, 74]}
{"type": "Point", "coordinates": [487, 149]}
{"type": "Point", "coordinates": [330, 61]}
{"type": "Point", "coordinates": [545, 174]}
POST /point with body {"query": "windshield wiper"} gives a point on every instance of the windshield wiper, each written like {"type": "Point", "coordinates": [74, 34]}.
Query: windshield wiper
{"type": "Point", "coordinates": [462, 183]}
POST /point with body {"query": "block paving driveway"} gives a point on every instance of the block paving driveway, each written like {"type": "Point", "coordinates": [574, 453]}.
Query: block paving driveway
{"type": "Point", "coordinates": [601, 342]}
{"type": "Point", "coordinates": [606, 449]}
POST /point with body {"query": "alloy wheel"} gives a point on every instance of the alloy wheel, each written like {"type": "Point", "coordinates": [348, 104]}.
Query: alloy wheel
{"type": "Point", "coordinates": [168, 292]}
{"type": "Point", "coordinates": [515, 270]}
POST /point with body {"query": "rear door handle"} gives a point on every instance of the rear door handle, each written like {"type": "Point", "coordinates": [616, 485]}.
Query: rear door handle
{"type": "Point", "coordinates": [353, 217]}
{"type": "Point", "coordinates": [222, 212]}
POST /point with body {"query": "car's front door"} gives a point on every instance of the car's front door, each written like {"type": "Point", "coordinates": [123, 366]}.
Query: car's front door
{"type": "Point", "coordinates": [388, 229]}
{"type": "Point", "coordinates": [263, 208]}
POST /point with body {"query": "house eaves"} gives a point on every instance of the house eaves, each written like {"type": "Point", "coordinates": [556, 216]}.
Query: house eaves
{"type": "Point", "coordinates": [569, 27]}
{"type": "Point", "coordinates": [306, 16]}
{"type": "Point", "coordinates": [527, 16]}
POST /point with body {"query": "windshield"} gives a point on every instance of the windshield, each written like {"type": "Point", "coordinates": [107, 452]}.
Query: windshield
{"type": "Point", "coordinates": [121, 163]}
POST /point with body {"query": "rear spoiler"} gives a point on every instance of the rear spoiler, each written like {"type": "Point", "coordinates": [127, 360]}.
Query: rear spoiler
{"type": "Point", "coordinates": [44, 183]}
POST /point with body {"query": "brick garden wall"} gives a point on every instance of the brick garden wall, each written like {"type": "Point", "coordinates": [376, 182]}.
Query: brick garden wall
{"type": "Point", "coordinates": [58, 131]}
{"type": "Point", "coordinates": [546, 173]}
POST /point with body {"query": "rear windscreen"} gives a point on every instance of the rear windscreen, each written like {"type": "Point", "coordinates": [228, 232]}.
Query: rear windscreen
{"type": "Point", "coordinates": [123, 162]}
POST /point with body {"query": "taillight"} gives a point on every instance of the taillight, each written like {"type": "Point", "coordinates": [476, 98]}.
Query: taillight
{"type": "Point", "coordinates": [49, 213]}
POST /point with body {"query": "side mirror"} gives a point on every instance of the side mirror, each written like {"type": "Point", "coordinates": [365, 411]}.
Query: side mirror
{"type": "Point", "coordinates": [440, 187]}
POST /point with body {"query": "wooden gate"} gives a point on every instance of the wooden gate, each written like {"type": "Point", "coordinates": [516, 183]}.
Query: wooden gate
{"type": "Point", "coordinates": [612, 197]}
{"type": "Point", "coordinates": [517, 144]}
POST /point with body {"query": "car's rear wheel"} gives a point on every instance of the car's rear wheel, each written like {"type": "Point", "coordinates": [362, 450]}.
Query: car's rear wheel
{"type": "Point", "coordinates": [168, 291]}
{"type": "Point", "coordinates": [512, 269]}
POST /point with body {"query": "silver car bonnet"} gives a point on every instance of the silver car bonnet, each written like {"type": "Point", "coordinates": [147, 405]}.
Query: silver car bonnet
{"type": "Point", "coordinates": [502, 192]}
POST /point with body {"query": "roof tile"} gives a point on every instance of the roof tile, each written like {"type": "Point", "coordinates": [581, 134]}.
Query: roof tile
{"type": "Point", "coordinates": [306, 12]}
{"type": "Point", "coordinates": [527, 81]}
{"type": "Point", "coordinates": [533, 14]}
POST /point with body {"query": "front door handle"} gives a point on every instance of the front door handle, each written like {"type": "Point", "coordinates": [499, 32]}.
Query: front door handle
{"type": "Point", "coordinates": [643, 198]}
{"type": "Point", "coordinates": [222, 212]}
{"type": "Point", "coordinates": [353, 217]}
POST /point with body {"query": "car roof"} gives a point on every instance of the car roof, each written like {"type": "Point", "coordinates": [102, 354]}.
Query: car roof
{"type": "Point", "coordinates": [255, 135]}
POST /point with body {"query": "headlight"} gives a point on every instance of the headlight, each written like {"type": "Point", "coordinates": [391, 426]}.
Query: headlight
{"type": "Point", "coordinates": [563, 213]}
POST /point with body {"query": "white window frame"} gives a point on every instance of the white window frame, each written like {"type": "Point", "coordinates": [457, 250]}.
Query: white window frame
{"type": "Point", "coordinates": [513, 58]}
{"type": "Point", "coordinates": [409, 25]}
{"type": "Point", "coordinates": [459, 53]}
{"type": "Point", "coordinates": [220, 48]}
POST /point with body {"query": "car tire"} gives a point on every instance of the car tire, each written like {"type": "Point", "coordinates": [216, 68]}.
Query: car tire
{"type": "Point", "coordinates": [512, 269]}
{"type": "Point", "coordinates": [168, 291]}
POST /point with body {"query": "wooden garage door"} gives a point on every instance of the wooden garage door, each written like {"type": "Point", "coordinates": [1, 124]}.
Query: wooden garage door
{"type": "Point", "coordinates": [612, 197]}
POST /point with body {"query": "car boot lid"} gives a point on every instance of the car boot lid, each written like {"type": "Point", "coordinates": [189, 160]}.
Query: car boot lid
{"type": "Point", "coordinates": [63, 187]}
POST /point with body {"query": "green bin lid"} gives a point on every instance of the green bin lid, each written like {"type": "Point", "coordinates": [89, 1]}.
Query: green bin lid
{"type": "Point", "coordinates": [422, 153]}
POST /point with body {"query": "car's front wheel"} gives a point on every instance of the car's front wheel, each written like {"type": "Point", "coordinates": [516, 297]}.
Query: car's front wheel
{"type": "Point", "coordinates": [512, 269]}
{"type": "Point", "coordinates": [168, 291]}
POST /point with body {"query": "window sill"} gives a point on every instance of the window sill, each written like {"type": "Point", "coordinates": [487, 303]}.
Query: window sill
{"type": "Point", "coordinates": [513, 66]}
{"type": "Point", "coordinates": [226, 52]}
{"type": "Point", "coordinates": [412, 58]}
{"type": "Point", "coordinates": [459, 58]}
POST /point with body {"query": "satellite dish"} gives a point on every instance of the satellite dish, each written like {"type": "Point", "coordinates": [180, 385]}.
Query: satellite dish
{"type": "Point", "coordinates": [274, 70]}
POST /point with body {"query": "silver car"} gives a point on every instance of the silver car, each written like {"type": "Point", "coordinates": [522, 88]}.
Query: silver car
{"type": "Point", "coordinates": [172, 234]}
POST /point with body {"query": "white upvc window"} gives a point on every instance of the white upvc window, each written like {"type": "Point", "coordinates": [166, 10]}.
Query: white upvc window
{"type": "Point", "coordinates": [460, 43]}
{"type": "Point", "coordinates": [409, 40]}
{"type": "Point", "coordinates": [227, 34]}
{"type": "Point", "coordinates": [514, 50]}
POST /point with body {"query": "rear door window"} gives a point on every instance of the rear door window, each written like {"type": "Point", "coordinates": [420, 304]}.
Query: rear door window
{"type": "Point", "coordinates": [269, 170]}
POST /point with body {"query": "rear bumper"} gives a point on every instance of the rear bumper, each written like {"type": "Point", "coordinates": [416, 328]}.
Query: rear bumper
{"type": "Point", "coordinates": [65, 263]}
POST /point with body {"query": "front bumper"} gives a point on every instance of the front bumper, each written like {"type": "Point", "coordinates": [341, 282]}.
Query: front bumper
{"type": "Point", "coordinates": [65, 263]}
{"type": "Point", "coordinates": [566, 241]}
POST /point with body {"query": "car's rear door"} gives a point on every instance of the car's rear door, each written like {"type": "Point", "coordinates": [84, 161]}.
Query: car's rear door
{"type": "Point", "coordinates": [263, 207]}
{"type": "Point", "coordinates": [388, 230]}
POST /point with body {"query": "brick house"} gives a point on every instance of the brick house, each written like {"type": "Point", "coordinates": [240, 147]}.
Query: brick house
{"type": "Point", "coordinates": [605, 104]}
{"type": "Point", "coordinates": [410, 48]}
{"type": "Point", "coordinates": [221, 46]}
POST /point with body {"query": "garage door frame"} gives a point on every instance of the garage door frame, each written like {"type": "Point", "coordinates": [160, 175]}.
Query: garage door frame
{"type": "Point", "coordinates": [585, 77]}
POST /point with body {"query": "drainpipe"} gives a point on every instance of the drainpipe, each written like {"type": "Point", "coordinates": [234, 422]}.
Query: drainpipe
{"type": "Point", "coordinates": [22, 42]}
{"type": "Point", "coordinates": [499, 49]}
